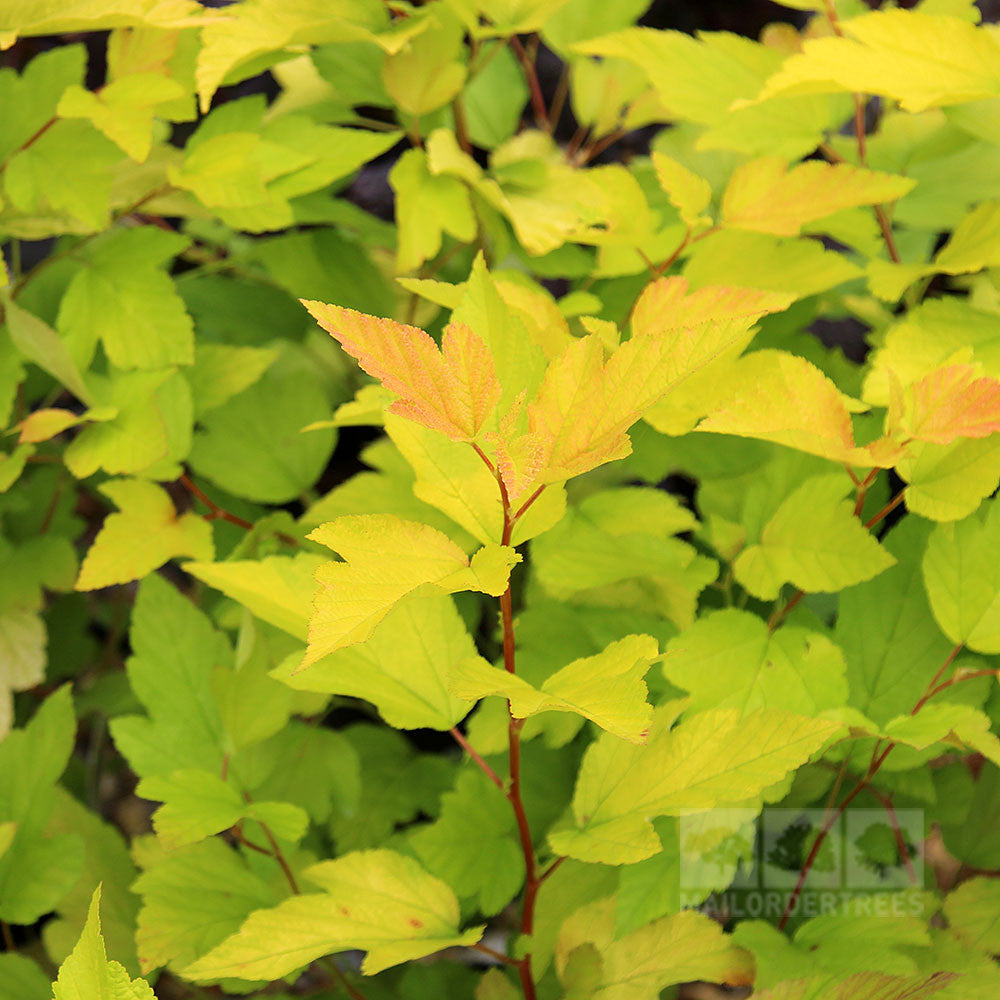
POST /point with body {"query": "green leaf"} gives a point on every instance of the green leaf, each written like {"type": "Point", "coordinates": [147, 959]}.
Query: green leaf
{"type": "Point", "coordinates": [22, 979]}
{"type": "Point", "coordinates": [728, 659]}
{"type": "Point", "coordinates": [866, 986]}
{"type": "Point", "coordinates": [192, 899]}
{"type": "Point", "coordinates": [376, 901]}
{"type": "Point", "coordinates": [890, 640]}
{"type": "Point", "coordinates": [22, 658]}
{"type": "Point", "coordinates": [973, 912]}
{"type": "Point", "coordinates": [494, 98]}
{"type": "Point", "coordinates": [277, 589]}
{"type": "Point", "coordinates": [607, 688]}
{"type": "Point", "coordinates": [958, 725]}
{"type": "Point", "coordinates": [123, 109]}
{"type": "Point", "coordinates": [252, 445]}
{"type": "Point", "coordinates": [124, 297]}
{"type": "Point", "coordinates": [712, 759]}
{"type": "Point", "coordinates": [594, 548]}
{"type": "Point", "coordinates": [947, 482]}
{"type": "Point", "coordinates": [974, 244]}
{"type": "Point", "coordinates": [39, 343]}
{"type": "Point", "coordinates": [88, 975]}
{"type": "Point", "coordinates": [221, 371]}
{"type": "Point", "coordinates": [106, 863]}
{"type": "Point", "coordinates": [397, 785]}
{"type": "Point", "coordinates": [963, 582]}
{"type": "Point", "coordinates": [145, 534]}
{"type": "Point", "coordinates": [67, 171]}
{"type": "Point", "coordinates": [427, 71]}
{"type": "Point", "coordinates": [174, 649]}
{"type": "Point", "coordinates": [386, 558]}
{"type": "Point", "coordinates": [197, 804]}
{"type": "Point", "coordinates": [36, 871]}
{"type": "Point", "coordinates": [473, 845]}
{"type": "Point", "coordinates": [401, 668]}
{"type": "Point", "coordinates": [813, 541]}
{"type": "Point", "coordinates": [145, 426]}
{"type": "Point", "coordinates": [427, 206]}
{"type": "Point", "coordinates": [637, 966]}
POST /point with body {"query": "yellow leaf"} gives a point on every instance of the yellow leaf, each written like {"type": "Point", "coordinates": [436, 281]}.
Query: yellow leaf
{"type": "Point", "coordinates": [607, 688]}
{"type": "Point", "coordinates": [57, 17]}
{"type": "Point", "coordinates": [387, 558]}
{"type": "Point", "coordinates": [920, 60]}
{"type": "Point", "coordinates": [688, 193]}
{"type": "Point", "coordinates": [765, 196]}
{"type": "Point", "coordinates": [783, 398]}
{"type": "Point", "coordinates": [379, 902]}
{"type": "Point", "coordinates": [678, 948]}
{"type": "Point", "coordinates": [144, 535]}
{"type": "Point", "coordinates": [453, 390]}
{"type": "Point", "coordinates": [45, 424]}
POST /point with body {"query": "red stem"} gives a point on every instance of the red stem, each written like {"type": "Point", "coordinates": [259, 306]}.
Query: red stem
{"type": "Point", "coordinates": [531, 76]}
{"type": "Point", "coordinates": [215, 512]}
{"type": "Point", "coordinates": [513, 792]}
{"type": "Point", "coordinates": [474, 754]}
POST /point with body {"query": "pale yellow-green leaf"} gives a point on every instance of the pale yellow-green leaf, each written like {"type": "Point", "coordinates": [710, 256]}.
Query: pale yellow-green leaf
{"type": "Point", "coordinates": [142, 536]}
{"type": "Point", "coordinates": [767, 196]}
{"type": "Point", "coordinates": [947, 482]}
{"type": "Point", "coordinates": [757, 260]}
{"type": "Point", "coordinates": [973, 912]}
{"type": "Point", "coordinates": [679, 948]}
{"type": "Point", "coordinates": [428, 70]}
{"type": "Point", "coordinates": [277, 589]}
{"type": "Point", "coordinates": [56, 17]}
{"type": "Point", "coordinates": [22, 658]}
{"type": "Point", "coordinates": [402, 668]}
{"type": "Point", "coordinates": [7, 831]}
{"type": "Point", "coordinates": [607, 688]}
{"type": "Point", "coordinates": [88, 975]}
{"type": "Point", "coordinates": [379, 902]}
{"type": "Point", "coordinates": [920, 60]}
{"type": "Point", "coordinates": [258, 27]}
{"type": "Point", "coordinates": [714, 758]}
{"type": "Point", "coordinates": [124, 109]}
{"type": "Point", "coordinates": [974, 244]}
{"type": "Point", "coordinates": [813, 541]}
{"type": "Point", "coordinates": [962, 578]}
{"type": "Point", "coordinates": [781, 397]}
{"type": "Point", "coordinates": [385, 559]}
{"type": "Point", "coordinates": [959, 725]}
{"type": "Point", "coordinates": [688, 193]}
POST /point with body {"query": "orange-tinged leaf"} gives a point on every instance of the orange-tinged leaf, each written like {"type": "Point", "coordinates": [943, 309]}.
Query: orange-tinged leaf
{"type": "Point", "coordinates": [783, 398]}
{"type": "Point", "coordinates": [952, 403]}
{"type": "Point", "coordinates": [453, 390]}
{"type": "Point", "coordinates": [387, 558]}
{"type": "Point", "coordinates": [669, 304]}
{"type": "Point", "coordinates": [765, 196]}
{"type": "Point", "coordinates": [45, 424]}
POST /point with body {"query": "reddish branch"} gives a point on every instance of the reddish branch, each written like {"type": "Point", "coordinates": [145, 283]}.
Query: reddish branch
{"type": "Point", "coordinates": [532, 879]}
{"type": "Point", "coordinates": [215, 512]}
{"type": "Point", "coordinates": [531, 76]}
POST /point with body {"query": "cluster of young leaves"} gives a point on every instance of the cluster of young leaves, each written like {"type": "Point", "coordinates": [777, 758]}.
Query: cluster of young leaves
{"type": "Point", "coordinates": [534, 688]}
